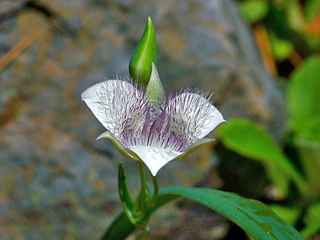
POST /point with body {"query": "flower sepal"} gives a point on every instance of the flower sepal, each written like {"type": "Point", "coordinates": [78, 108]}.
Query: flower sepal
{"type": "Point", "coordinates": [155, 91]}
{"type": "Point", "coordinates": [122, 149]}
{"type": "Point", "coordinates": [193, 147]}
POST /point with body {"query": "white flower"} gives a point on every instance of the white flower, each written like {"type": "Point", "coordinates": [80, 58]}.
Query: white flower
{"type": "Point", "coordinates": [153, 133]}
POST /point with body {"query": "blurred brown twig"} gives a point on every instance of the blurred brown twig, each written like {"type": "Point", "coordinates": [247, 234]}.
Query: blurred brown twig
{"type": "Point", "coordinates": [17, 50]}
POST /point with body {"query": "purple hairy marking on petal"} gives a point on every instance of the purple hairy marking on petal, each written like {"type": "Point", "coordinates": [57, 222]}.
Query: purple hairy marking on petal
{"type": "Point", "coordinates": [157, 123]}
{"type": "Point", "coordinates": [167, 128]}
{"type": "Point", "coordinates": [146, 123]}
{"type": "Point", "coordinates": [158, 119]}
{"type": "Point", "coordinates": [172, 126]}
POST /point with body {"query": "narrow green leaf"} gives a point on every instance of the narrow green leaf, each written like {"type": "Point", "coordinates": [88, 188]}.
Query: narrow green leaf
{"type": "Point", "coordinates": [303, 93]}
{"type": "Point", "coordinates": [250, 140]}
{"type": "Point", "coordinates": [121, 227]}
{"type": "Point", "coordinates": [289, 214]}
{"type": "Point", "coordinates": [252, 216]}
{"type": "Point", "coordinates": [144, 55]}
{"type": "Point", "coordinates": [124, 191]}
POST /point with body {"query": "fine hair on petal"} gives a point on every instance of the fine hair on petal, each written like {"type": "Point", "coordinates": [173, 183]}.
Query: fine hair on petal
{"type": "Point", "coordinates": [123, 106]}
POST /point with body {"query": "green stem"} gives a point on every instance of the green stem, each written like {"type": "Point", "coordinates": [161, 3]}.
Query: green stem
{"type": "Point", "coordinates": [143, 188]}
{"type": "Point", "coordinates": [155, 192]}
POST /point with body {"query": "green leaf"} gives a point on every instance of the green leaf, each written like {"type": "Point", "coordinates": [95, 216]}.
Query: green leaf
{"type": "Point", "coordinates": [254, 10]}
{"type": "Point", "coordinates": [309, 153]}
{"type": "Point", "coordinates": [124, 192]}
{"type": "Point", "coordinates": [303, 93]}
{"type": "Point", "coordinates": [252, 216]}
{"type": "Point", "coordinates": [120, 228]}
{"type": "Point", "coordinates": [144, 55]}
{"type": "Point", "coordinates": [290, 215]}
{"type": "Point", "coordinates": [309, 134]}
{"type": "Point", "coordinates": [250, 140]}
{"type": "Point", "coordinates": [304, 106]}
{"type": "Point", "coordinates": [125, 195]}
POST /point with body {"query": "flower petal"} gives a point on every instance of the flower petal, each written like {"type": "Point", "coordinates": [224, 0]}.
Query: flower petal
{"type": "Point", "coordinates": [117, 105]}
{"type": "Point", "coordinates": [213, 120]}
{"type": "Point", "coordinates": [193, 115]}
{"type": "Point", "coordinates": [154, 158]}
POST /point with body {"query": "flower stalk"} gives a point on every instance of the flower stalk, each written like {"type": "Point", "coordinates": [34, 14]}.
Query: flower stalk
{"type": "Point", "coordinates": [141, 200]}
{"type": "Point", "coordinates": [155, 192]}
{"type": "Point", "coordinates": [138, 211]}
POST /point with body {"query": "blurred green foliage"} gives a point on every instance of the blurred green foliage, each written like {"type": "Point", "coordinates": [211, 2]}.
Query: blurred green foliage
{"type": "Point", "coordinates": [311, 9]}
{"type": "Point", "coordinates": [254, 10]}
{"type": "Point", "coordinates": [250, 140]}
{"type": "Point", "coordinates": [293, 34]}
{"type": "Point", "coordinates": [290, 24]}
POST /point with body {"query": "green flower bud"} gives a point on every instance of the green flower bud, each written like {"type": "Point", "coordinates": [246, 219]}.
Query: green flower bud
{"type": "Point", "coordinates": [144, 55]}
